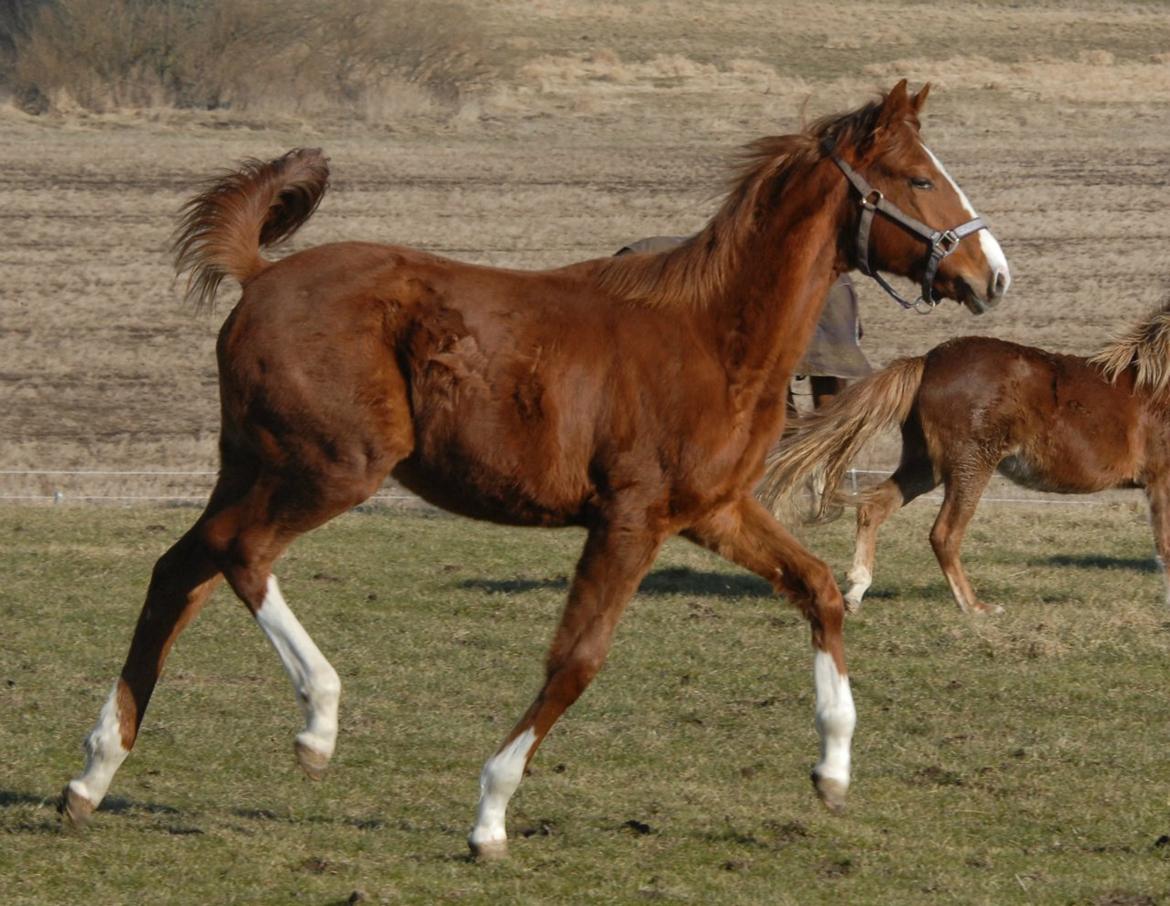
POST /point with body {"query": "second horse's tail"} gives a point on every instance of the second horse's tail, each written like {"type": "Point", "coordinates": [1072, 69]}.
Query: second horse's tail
{"type": "Point", "coordinates": [831, 438]}
{"type": "Point", "coordinates": [223, 229]}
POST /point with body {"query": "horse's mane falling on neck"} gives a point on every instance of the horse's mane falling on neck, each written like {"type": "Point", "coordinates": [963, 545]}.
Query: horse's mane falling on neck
{"type": "Point", "coordinates": [702, 268]}
{"type": "Point", "coordinates": [1145, 347]}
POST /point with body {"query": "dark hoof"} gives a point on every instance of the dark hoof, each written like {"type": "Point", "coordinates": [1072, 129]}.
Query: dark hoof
{"type": "Point", "coordinates": [831, 792]}
{"type": "Point", "coordinates": [312, 762]}
{"type": "Point", "coordinates": [74, 808]}
{"type": "Point", "coordinates": [491, 851]}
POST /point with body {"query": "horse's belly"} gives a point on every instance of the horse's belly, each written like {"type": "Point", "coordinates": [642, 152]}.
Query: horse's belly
{"type": "Point", "coordinates": [1061, 476]}
{"type": "Point", "coordinates": [478, 460]}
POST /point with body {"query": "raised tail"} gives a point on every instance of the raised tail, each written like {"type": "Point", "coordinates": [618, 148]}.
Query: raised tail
{"type": "Point", "coordinates": [222, 230]}
{"type": "Point", "coordinates": [832, 437]}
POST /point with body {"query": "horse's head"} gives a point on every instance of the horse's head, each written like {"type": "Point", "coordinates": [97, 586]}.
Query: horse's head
{"type": "Point", "coordinates": [912, 218]}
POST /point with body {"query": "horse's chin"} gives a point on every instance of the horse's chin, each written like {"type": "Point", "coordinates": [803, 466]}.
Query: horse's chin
{"type": "Point", "coordinates": [975, 303]}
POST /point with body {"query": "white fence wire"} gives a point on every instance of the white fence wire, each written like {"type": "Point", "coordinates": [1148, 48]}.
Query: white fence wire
{"type": "Point", "coordinates": [394, 495]}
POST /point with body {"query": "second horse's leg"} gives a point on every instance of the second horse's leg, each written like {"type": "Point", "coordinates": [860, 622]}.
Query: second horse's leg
{"type": "Point", "coordinates": [877, 505]}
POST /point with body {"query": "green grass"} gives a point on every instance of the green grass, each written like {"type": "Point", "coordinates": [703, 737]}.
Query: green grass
{"type": "Point", "coordinates": [1015, 759]}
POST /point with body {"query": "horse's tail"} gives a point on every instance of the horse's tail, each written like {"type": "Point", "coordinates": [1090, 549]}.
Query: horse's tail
{"type": "Point", "coordinates": [222, 229]}
{"type": "Point", "coordinates": [830, 438]}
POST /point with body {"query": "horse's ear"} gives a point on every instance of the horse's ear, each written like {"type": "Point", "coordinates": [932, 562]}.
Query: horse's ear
{"type": "Point", "coordinates": [894, 105]}
{"type": "Point", "coordinates": [919, 100]}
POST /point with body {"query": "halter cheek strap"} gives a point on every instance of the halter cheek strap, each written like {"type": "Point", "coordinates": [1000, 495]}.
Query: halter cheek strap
{"type": "Point", "coordinates": [940, 243]}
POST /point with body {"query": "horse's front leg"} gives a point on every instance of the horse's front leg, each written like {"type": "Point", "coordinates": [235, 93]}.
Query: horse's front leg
{"type": "Point", "coordinates": [615, 559]}
{"type": "Point", "coordinates": [745, 533]}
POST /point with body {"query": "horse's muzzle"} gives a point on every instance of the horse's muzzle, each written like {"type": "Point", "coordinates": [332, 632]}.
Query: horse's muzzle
{"type": "Point", "coordinates": [980, 300]}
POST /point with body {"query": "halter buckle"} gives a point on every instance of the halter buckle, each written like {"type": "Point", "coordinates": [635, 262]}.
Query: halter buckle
{"type": "Point", "coordinates": [948, 241]}
{"type": "Point", "coordinates": [872, 200]}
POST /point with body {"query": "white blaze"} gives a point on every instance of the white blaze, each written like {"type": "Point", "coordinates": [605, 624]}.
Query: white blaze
{"type": "Point", "coordinates": [994, 255]}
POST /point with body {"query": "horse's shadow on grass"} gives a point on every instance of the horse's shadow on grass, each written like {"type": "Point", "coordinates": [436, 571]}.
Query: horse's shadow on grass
{"type": "Point", "coordinates": [673, 580]}
{"type": "Point", "coordinates": [39, 822]}
{"type": "Point", "coordinates": [1097, 561]}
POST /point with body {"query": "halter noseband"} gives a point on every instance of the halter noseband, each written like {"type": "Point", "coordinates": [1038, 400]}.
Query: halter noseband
{"type": "Point", "coordinates": [940, 242]}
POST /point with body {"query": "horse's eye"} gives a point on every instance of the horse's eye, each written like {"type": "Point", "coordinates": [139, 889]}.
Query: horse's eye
{"type": "Point", "coordinates": [921, 182]}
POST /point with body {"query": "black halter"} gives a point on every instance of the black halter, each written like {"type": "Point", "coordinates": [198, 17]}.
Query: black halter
{"type": "Point", "coordinates": [940, 242]}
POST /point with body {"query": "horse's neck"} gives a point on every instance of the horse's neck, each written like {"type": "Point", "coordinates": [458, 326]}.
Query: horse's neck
{"type": "Point", "coordinates": [767, 316]}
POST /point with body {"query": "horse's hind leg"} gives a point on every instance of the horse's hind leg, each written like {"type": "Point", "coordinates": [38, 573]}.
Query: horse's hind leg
{"type": "Point", "coordinates": [249, 537]}
{"type": "Point", "coordinates": [877, 505]}
{"type": "Point", "coordinates": [745, 533]}
{"type": "Point", "coordinates": [182, 580]}
{"type": "Point", "coordinates": [964, 485]}
{"type": "Point", "coordinates": [1158, 496]}
{"type": "Point", "coordinates": [612, 565]}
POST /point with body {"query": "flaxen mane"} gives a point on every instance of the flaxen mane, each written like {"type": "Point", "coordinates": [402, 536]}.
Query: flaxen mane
{"type": "Point", "coordinates": [699, 270]}
{"type": "Point", "coordinates": [1145, 347]}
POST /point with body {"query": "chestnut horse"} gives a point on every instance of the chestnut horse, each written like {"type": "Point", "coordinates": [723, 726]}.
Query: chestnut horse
{"type": "Point", "coordinates": [632, 396]}
{"type": "Point", "coordinates": [975, 405]}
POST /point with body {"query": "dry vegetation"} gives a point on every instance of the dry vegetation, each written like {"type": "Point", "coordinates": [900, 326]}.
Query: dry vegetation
{"type": "Point", "coordinates": [603, 122]}
{"type": "Point", "coordinates": [101, 55]}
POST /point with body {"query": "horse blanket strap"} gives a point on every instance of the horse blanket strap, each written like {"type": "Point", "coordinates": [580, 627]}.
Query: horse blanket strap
{"type": "Point", "coordinates": [940, 243]}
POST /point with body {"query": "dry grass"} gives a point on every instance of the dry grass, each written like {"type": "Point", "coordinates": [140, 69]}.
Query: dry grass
{"type": "Point", "coordinates": [257, 55]}
{"type": "Point", "coordinates": [608, 123]}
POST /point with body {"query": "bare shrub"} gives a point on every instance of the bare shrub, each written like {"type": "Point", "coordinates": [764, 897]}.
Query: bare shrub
{"type": "Point", "coordinates": [105, 54]}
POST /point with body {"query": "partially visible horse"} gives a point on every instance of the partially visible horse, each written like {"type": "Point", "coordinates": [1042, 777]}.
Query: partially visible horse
{"type": "Point", "coordinates": [975, 405]}
{"type": "Point", "coordinates": [635, 397]}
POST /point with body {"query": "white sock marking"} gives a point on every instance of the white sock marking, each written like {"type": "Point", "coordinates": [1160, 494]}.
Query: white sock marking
{"type": "Point", "coordinates": [316, 683]}
{"type": "Point", "coordinates": [860, 580]}
{"type": "Point", "coordinates": [992, 252]}
{"type": "Point", "coordinates": [104, 753]}
{"type": "Point", "coordinates": [501, 775]}
{"type": "Point", "coordinates": [835, 720]}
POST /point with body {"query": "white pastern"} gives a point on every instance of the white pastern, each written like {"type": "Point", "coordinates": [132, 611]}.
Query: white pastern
{"type": "Point", "coordinates": [104, 753]}
{"type": "Point", "coordinates": [498, 780]}
{"type": "Point", "coordinates": [957, 592]}
{"type": "Point", "coordinates": [316, 683]}
{"type": "Point", "coordinates": [992, 252]}
{"type": "Point", "coordinates": [835, 719]}
{"type": "Point", "coordinates": [859, 582]}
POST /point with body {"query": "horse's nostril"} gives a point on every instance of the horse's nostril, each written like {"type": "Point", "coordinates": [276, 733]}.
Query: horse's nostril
{"type": "Point", "coordinates": [999, 287]}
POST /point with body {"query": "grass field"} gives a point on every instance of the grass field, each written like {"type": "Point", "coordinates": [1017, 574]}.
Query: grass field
{"type": "Point", "coordinates": [1020, 759]}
